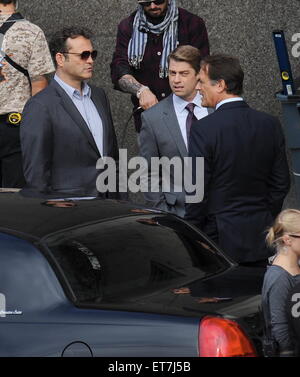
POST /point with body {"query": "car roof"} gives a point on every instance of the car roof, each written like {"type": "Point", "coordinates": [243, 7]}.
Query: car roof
{"type": "Point", "coordinates": [32, 218]}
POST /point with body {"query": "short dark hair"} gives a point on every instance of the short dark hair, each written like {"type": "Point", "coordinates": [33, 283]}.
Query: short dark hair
{"type": "Point", "coordinates": [58, 42]}
{"type": "Point", "coordinates": [227, 68]}
{"type": "Point", "coordinates": [8, 1]}
{"type": "Point", "coordinates": [188, 54]}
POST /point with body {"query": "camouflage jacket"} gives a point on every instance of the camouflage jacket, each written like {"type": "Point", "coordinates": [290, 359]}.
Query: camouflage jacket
{"type": "Point", "coordinates": [25, 43]}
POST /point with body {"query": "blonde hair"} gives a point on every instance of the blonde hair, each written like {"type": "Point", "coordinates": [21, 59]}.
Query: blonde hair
{"type": "Point", "coordinates": [288, 221]}
{"type": "Point", "coordinates": [187, 54]}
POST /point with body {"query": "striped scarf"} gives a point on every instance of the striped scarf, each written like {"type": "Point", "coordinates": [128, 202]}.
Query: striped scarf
{"type": "Point", "coordinates": [137, 44]}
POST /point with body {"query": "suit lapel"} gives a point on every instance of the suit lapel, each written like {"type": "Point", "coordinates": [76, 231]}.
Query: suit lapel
{"type": "Point", "coordinates": [172, 124]}
{"type": "Point", "coordinates": [101, 108]}
{"type": "Point", "coordinates": [72, 110]}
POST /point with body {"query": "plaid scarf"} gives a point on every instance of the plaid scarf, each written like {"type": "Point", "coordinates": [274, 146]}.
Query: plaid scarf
{"type": "Point", "coordinates": [137, 43]}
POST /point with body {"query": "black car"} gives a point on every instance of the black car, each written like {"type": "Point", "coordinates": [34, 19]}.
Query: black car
{"type": "Point", "coordinates": [102, 278]}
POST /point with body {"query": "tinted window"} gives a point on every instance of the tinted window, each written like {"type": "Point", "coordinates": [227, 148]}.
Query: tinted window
{"type": "Point", "coordinates": [132, 256]}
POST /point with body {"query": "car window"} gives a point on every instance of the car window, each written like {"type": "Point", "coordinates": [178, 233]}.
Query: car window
{"type": "Point", "coordinates": [126, 257]}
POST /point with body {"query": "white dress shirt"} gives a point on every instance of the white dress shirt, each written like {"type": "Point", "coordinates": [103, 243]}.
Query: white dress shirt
{"type": "Point", "coordinates": [233, 99]}
{"type": "Point", "coordinates": [182, 112]}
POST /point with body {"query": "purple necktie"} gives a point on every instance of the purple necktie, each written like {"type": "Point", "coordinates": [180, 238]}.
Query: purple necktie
{"type": "Point", "coordinates": [190, 119]}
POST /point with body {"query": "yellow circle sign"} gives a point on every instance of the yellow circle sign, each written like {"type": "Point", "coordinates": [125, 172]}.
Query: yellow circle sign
{"type": "Point", "coordinates": [285, 76]}
{"type": "Point", "coordinates": [14, 118]}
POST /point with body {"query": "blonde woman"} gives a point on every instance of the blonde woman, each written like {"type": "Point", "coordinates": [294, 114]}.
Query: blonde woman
{"type": "Point", "coordinates": [280, 278]}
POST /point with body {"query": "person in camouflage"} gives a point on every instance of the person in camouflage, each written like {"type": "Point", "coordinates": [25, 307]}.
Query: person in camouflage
{"type": "Point", "coordinates": [23, 46]}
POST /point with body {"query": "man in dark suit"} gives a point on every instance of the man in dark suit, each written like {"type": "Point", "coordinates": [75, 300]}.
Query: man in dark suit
{"type": "Point", "coordinates": [246, 173]}
{"type": "Point", "coordinates": [164, 131]}
{"type": "Point", "coordinates": [68, 126]}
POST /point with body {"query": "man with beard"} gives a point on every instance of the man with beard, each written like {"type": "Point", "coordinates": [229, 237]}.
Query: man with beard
{"type": "Point", "coordinates": [144, 41]}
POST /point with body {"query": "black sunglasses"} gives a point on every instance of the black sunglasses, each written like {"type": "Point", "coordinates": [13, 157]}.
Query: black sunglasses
{"type": "Point", "coordinates": [148, 3]}
{"type": "Point", "coordinates": [84, 55]}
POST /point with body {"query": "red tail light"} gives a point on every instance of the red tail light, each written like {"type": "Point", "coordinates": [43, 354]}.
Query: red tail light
{"type": "Point", "coordinates": [219, 337]}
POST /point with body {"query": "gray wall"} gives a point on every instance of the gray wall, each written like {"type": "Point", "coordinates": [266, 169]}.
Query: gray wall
{"type": "Point", "coordinates": [239, 27]}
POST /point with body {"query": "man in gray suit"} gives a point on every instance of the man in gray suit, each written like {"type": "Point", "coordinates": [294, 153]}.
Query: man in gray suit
{"type": "Point", "coordinates": [166, 126]}
{"type": "Point", "coordinates": [68, 126]}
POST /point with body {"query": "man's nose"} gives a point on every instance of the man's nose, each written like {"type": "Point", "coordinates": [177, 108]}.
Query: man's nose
{"type": "Point", "coordinates": [90, 60]}
{"type": "Point", "coordinates": [198, 86]}
{"type": "Point", "coordinates": [152, 5]}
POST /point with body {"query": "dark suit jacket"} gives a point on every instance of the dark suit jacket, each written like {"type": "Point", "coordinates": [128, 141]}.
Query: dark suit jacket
{"type": "Point", "coordinates": [246, 178]}
{"type": "Point", "coordinates": [59, 151]}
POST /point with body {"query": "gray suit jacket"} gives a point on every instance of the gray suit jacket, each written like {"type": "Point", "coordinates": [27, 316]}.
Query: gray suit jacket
{"type": "Point", "coordinates": [59, 151]}
{"type": "Point", "coordinates": [161, 136]}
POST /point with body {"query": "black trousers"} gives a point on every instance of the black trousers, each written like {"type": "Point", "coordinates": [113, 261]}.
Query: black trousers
{"type": "Point", "coordinates": [11, 169]}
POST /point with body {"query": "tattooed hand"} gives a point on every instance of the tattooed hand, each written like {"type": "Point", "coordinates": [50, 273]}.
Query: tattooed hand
{"type": "Point", "coordinates": [147, 99]}
{"type": "Point", "coordinates": [129, 84]}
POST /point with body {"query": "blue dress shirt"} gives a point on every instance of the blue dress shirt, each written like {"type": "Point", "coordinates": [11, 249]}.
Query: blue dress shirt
{"type": "Point", "coordinates": [87, 109]}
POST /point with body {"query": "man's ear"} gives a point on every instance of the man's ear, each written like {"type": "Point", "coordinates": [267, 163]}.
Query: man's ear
{"type": "Point", "coordinates": [60, 59]}
{"type": "Point", "coordinates": [222, 87]}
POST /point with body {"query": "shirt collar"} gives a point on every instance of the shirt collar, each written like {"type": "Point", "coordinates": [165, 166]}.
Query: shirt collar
{"type": "Point", "coordinates": [181, 103]}
{"type": "Point", "coordinates": [72, 92]}
{"type": "Point", "coordinates": [4, 17]}
{"type": "Point", "coordinates": [228, 100]}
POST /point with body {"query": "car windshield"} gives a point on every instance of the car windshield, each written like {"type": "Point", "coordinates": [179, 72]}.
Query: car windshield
{"type": "Point", "coordinates": [132, 256]}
